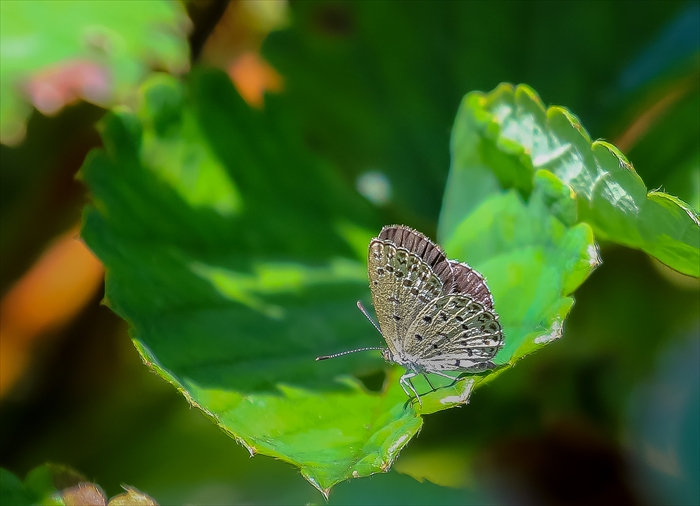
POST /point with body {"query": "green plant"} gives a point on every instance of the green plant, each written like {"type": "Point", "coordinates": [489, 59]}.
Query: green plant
{"type": "Point", "coordinates": [236, 239]}
{"type": "Point", "coordinates": [232, 286]}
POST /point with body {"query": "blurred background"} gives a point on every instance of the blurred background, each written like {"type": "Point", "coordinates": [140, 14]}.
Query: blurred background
{"type": "Point", "coordinates": [608, 414]}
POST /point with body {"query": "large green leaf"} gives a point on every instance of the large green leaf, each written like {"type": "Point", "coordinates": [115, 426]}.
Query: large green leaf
{"type": "Point", "coordinates": [500, 139]}
{"type": "Point", "coordinates": [237, 258]}
{"type": "Point", "coordinates": [53, 52]}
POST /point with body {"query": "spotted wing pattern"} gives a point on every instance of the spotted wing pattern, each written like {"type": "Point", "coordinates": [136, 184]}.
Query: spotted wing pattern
{"type": "Point", "coordinates": [453, 332]}
{"type": "Point", "coordinates": [406, 272]}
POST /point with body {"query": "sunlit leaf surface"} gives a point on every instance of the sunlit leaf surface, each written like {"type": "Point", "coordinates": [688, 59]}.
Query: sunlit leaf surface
{"type": "Point", "coordinates": [500, 139]}
{"type": "Point", "coordinates": [233, 255]}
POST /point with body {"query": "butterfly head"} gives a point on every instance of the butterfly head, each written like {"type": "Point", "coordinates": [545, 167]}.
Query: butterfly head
{"type": "Point", "coordinates": [401, 359]}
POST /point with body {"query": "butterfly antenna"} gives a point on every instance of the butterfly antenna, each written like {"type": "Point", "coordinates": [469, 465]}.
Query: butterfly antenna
{"type": "Point", "coordinates": [364, 312]}
{"type": "Point", "coordinates": [326, 357]}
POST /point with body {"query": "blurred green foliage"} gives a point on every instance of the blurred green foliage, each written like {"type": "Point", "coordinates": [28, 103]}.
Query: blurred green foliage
{"type": "Point", "coordinates": [372, 88]}
{"type": "Point", "coordinates": [58, 485]}
{"type": "Point", "coordinates": [105, 49]}
{"type": "Point", "coordinates": [54, 54]}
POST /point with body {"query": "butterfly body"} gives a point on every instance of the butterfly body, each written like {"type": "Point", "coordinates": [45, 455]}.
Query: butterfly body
{"type": "Point", "coordinates": [435, 314]}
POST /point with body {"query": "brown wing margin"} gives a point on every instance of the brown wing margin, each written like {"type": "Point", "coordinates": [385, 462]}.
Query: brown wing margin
{"type": "Point", "coordinates": [427, 250]}
{"type": "Point", "coordinates": [469, 282]}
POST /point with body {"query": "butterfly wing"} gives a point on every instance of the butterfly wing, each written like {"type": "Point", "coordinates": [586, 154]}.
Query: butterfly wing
{"type": "Point", "coordinates": [406, 271]}
{"type": "Point", "coordinates": [469, 282]}
{"type": "Point", "coordinates": [454, 332]}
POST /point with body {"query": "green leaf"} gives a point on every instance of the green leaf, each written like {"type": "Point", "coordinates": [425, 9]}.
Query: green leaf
{"type": "Point", "coordinates": [12, 491]}
{"type": "Point", "coordinates": [45, 485]}
{"type": "Point", "coordinates": [532, 262]}
{"type": "Point", "coordinates": [500, 139]}
{"type": "Point", "coordinates": [48, 483]}
{"type": "Point", "coordinates": [237, 258]}
{"type": "Point", "coordinates": [55, 52]}
{"type": "Point", "coordinates": [242, 275]}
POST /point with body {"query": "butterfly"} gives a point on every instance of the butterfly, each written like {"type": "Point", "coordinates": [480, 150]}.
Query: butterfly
{"type": "Point", "coordinates": [435, 314]}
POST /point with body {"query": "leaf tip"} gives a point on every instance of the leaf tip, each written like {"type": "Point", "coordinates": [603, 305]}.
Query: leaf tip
{"type": "Point", "coordinates": [593, 253]}
{"type": "Point", "coordinates": [463, 397]}
{"type": "Point", "coordinates": [556, 113]}
{"type": "Point", "coordinates": [614, 151]}
{"type": "Point", "coordinates": [556, 333]}
{"type": "Point", "coordinates": [523, 91]}
{"type": "Point", "coordinates": [251, 449]}
{"type": "Point", "coordinates": [324, 491]}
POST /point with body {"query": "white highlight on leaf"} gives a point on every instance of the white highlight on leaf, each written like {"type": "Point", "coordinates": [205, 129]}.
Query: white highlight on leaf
{"type": "Point", "coordinates": [394, 448]}
{"type": "Point", "coordinates": [545, 158]}
{"type": "Point", "coordinates": [617, 195]}
{"type": "Point", "coordinates": [463, 397]}
{"type": "Point", "coordinates": [593, 255]}
{"type": "Point", "coordinates": [554, 334]}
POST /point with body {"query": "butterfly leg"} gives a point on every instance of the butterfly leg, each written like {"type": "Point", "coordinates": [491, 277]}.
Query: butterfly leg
{"type": "Point", "coordinates": [429, 383]}
{"type": "Point", "coordinates": [405, 382]}
{"type": "Point", "coordinates": [454, 380]}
